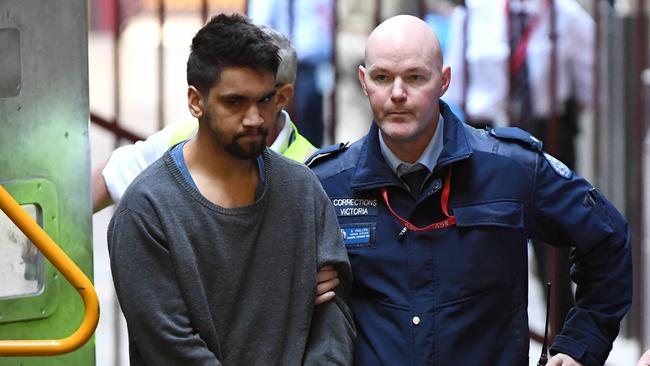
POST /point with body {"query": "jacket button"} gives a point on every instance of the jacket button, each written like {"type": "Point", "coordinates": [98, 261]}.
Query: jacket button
{"type": "Point", "coordinates": [416, 320]}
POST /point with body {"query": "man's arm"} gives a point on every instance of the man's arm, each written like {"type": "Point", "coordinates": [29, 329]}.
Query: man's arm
{"type": "Point", "coordinates": [332, 332]}
{"type": "Point", "coordinates": [567, 210]}
{"type": "Point", "coordinates": [128, 161]}
{"type": "Point", "coordinates": [158, 321]}
{"type": "Point", "coordinates": [100, 196]}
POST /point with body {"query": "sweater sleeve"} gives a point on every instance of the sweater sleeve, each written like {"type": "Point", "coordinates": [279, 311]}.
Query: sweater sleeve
{"type": "Point", "coordinates": [332, 331]}
{"type": "Point", "coordinates": [158, 322]}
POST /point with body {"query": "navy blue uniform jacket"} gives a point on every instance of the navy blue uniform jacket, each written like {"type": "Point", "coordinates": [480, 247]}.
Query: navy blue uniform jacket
{"type": "Point", "coordinates": [458, 295]}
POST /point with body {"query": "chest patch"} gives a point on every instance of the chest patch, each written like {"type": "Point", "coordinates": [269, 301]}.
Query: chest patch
{"type": "Point", "coordinates": [560, 168]}
{"type": "Point", "coordinates": [345, 207]}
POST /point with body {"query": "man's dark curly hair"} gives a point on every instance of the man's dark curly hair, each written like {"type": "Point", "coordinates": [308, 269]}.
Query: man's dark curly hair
{"type": "Point", "coordinates": [228, 41]}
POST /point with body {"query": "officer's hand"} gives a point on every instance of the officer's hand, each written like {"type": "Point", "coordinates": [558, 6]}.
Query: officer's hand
{"type": "Point", "coordinates": [327, 279]}
{"type": "Point", "coordinates": [645, 359]}
{"type": "Point", "coordinates": [561, 359]}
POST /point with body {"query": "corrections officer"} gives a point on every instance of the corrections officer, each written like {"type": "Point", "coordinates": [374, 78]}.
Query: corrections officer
{"type": "Point", "coordinates": [440, 260]}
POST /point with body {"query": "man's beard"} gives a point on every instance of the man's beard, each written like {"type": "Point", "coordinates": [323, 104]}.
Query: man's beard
{"type": "Point", "coordinates": [249, 150]}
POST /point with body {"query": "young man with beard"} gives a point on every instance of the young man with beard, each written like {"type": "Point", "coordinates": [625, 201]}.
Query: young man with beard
{"type": "Point", "coordinates": [213, 254]}
{"type": "Point", "coordinates": [110, 179]}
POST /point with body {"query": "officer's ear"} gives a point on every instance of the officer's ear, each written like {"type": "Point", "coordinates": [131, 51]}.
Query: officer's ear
{"type": "Point", "coordinates": [284, 95]}
{"type": "Point", "coordinates": [195, 102]}
{"type": "Point", "coordinates": [362, 79]}
{"type": "Point", "coordinates": [445, 79]}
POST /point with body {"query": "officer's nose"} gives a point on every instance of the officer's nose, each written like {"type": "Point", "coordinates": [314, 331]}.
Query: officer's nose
{"type": "Point", "coordinates": [398, 93]}
{"type": "Point", "coordinates": [253, 117]}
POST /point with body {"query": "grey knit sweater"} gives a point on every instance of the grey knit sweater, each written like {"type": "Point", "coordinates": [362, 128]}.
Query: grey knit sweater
{"type": "Point", "coordinates": [203, 285]}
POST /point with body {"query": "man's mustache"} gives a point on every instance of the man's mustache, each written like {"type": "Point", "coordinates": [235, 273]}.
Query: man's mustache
{"type": "Point", "coordinates": [263, 132]}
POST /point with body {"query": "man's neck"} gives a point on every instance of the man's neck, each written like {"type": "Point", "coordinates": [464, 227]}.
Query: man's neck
{"type": "Point", "coordinates": [407, 152]}
{"type": "Point", "coordinates": [221, 178]}
{"type": "Point", "coordinates": [410, 151]}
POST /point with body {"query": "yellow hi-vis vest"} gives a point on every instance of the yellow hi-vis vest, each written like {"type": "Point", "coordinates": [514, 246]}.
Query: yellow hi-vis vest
{"type": "Point", "coordinates": [299, 148]}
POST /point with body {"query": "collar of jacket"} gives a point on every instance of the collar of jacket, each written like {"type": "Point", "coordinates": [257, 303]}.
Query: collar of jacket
{"type": "Point", "coordinates": [372, 170]}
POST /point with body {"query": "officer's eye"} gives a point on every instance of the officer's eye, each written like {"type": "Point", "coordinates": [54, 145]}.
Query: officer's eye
{"type": "Point", "coordinates": [267, 99]}
{"type": "Point", "coordinates": [416, 77]}
{"type": "Point", "coordinates": [380, 78]}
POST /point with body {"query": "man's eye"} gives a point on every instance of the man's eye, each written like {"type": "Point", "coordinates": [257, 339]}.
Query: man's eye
{"type": "Point", "coordinates": [381, 78]}
{"type": "Point", "coordinates": [266, 99]}
{"type": "Point", "coordinates": [416, 77]}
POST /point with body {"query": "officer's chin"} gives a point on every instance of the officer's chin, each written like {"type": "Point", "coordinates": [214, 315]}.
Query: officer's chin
{"type": "Point", "coordinates": [398, 117]}
{"type": "Point", "coordinates": [400, 131]}
{"type": "Point", "coordinates": [400, 122]}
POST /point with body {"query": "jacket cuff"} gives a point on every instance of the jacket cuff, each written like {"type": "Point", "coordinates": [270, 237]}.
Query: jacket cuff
{"type": "Point", "coordinates": [575, 349]}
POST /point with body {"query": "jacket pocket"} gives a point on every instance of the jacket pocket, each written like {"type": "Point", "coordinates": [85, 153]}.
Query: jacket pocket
{"type": "Point", "coordinates": [498, 288]}
{"type": "Point", "coordinates": [503, 213]}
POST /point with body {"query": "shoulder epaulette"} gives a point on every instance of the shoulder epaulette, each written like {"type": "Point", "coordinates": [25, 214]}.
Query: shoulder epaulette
{"type": "Point", "coordinates": [517, 135]}
{"type": "Point", "coordinates": [326, 152]}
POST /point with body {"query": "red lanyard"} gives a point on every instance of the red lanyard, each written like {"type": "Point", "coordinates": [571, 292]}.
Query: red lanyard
{"type": "Point", "coordinates": [518, 56]}
{"type": "Point", "coordinates": [444, 202]}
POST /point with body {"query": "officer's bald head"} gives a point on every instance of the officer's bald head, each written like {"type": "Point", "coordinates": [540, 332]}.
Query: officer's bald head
{"type": "Point", "coordinates": [403, 35]}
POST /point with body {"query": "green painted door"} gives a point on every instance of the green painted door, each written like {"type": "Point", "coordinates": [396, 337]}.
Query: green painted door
{"type": "Point", "coordinates": [45, 166]}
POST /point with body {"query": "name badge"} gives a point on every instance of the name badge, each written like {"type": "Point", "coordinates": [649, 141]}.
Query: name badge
{"type": "Point", "coordinates": [358, 235]}
{"type": "Point", "coordinates": [345, 207]}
